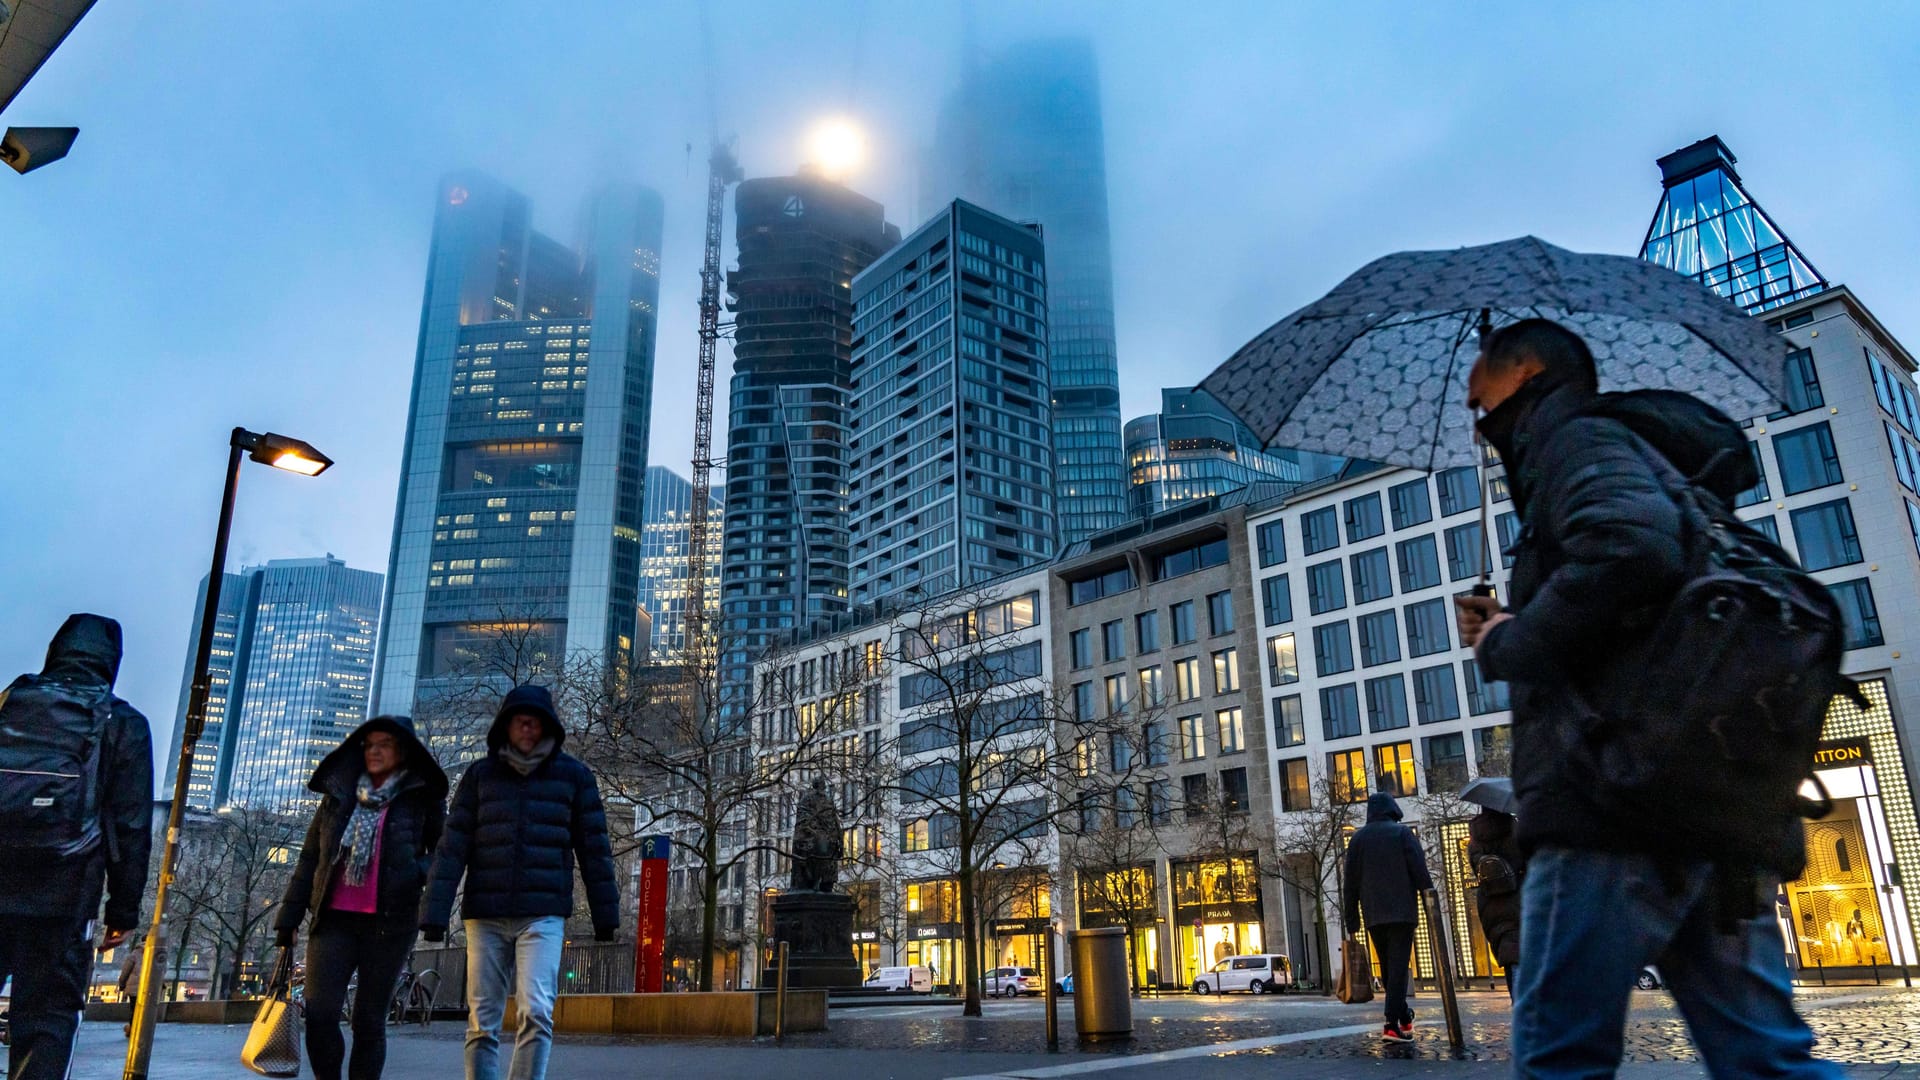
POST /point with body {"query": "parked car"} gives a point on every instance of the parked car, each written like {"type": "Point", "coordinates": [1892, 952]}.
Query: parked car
{"type": "Point", "coordinates": [1012, 981]}
{"type": "Point", "coordinates": [1649, 978]}
{"type": "Point", "coordinates": [1066, 984]}
{"type": "Point", "coordinates": [1259, 974]}
{"type": "Point", "coordinates": [917, 979]}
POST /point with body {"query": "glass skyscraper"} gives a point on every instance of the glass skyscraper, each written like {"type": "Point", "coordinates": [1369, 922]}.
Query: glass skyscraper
{"type": "Point", "coordinates": [1194, 448]}
{"type": "Point", "coordinates": [521, 485]}
{"type": "Point", "coordinates": [952, 467]}
{"type": "Point", "coordinates": [1023, 138]}
{"type": "Point", "coordinates": [663, 561]}
{"type": "Point", "coordinates": [291, 673]}
{"type": "Point", "coordinates": [1708, 228]}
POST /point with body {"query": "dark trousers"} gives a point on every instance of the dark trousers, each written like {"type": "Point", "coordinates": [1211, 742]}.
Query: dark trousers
{"type": "Point", "coordinates": [340, 944]}
{"type": "Point", "coordinates": [50, 961]}
{"type": "Point", "coordinates": [1393, 944]}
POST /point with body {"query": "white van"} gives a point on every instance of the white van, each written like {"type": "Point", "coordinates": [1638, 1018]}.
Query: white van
{"type": "Point", "coordinates": [917, 979]}
{"type": "Point", "coordinates": [1268, 973]}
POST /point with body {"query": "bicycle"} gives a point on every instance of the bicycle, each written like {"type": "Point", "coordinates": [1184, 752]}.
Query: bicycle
{"type": "Point", "coordinates": [414, 997]}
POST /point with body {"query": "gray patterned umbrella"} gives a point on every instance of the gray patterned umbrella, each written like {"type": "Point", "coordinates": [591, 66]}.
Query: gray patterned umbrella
{"type": "Point", "coordinates": [1377, 368]}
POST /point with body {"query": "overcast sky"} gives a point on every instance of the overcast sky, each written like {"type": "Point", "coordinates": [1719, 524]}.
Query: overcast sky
{"type": "Point", "coordinates": [240, 234]}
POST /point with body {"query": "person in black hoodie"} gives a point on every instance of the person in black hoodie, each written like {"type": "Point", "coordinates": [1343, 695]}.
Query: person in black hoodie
{"type": "Point", "coordinates": [1385, 874]}
{"type": "Point", "coordinates": [383, 806]}
{"type": "Point", "coordinates": [1601, 546]}
{"type": "Point", "coordinates": [521, 817]}
{"type": "Point", "coordinates": [49, 900]}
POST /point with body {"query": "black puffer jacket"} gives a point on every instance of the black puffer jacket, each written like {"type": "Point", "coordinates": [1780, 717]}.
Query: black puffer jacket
{"type": "Point", "coordinates": [1600, 550]}
{"type": "Point", "coordinates": [415, 819]}
{"type": "Point", "coordinates": [515, 838]}
{"type": "Point", "coordinates": [1386, 869]}
{"type": "Point", "coordinates": [1497, 866]}
{"type": "Point", "coordinates": [85, 654]}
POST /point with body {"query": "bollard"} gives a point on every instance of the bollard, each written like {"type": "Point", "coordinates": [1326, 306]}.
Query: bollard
{"type": "Point", "coordinates": [1821, 968]}
{"type": "Point", "coordinates": [1443, 962]}
{"type": "Point", "coordinates": [780, 996]}
{"type": "Point", "coordinates": [1052, 974]}
{"type": "Point", "coordinates": [1876, 971]}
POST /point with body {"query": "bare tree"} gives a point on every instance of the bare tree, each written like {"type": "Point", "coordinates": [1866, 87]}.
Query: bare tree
{"type": "Point", "coordinates": [1308, 849]}
{"type": "Point", "coordinates": [1110, 850]}
{"type": "Point", "coordinates": [462, 687]}
{"type": "Point", "coordinates": [1225, 834]}
{"type": "Point", "coordinates": [233, 871]}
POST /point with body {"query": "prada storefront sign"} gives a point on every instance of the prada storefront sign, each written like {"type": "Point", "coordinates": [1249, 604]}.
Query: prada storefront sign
{"type": "Point", "coordinates": [1840, 753]}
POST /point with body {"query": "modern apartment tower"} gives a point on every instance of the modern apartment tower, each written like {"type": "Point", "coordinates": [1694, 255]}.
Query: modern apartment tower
{"type": "Point", "coordinates": [521, 502]}
{"type": "Point", "coordinates": [291, 674]}
{"type": "Point", "coordinates": [663, 562]}
{"type": "Point", "coordinates": [802, 240]}
{"type": "Point", "coordinates": [1194, 448]}
{"type": "Point", "coordinates": [1023, 137]}
{"type": "Point", "coordinates": [952, 465]}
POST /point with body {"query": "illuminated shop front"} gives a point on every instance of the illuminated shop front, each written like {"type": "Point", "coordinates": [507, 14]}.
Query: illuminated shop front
{"type": "Point", "coordinates": [1129, 899]}
{"type": "Point", "coordinates": [933, 928]}
{"type": "Point", "coordinates": [1019, 905]}
{"type": "Point", "coordinates": [1217, 911]}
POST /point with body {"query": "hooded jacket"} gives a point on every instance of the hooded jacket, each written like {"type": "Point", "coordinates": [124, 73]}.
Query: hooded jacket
{"type": "Point", "coordinates": [85, 654]}
{"type": "Point", "coordinates": [515, 838]}
{"type": "Point", "coordinates": [415, 819]}
{"type": "Point", "coordinates": [1386, 869]}
{"type": "Point", "coordinates": [1600, 549]}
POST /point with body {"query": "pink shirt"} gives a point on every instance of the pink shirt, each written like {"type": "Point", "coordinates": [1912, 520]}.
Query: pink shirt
{"type": "Point", "coordinates": [363, 899]}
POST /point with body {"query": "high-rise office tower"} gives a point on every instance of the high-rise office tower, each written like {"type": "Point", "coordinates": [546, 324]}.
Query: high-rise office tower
{"type": "Point", "coordinates": [291, 673]}
{"type": "Point", "coordinates": [952, 466]}
{"type": "Point", "coordinates": [663, 562]}
{"type": "Point", "coordinates": [1194, 448]}
{"type": "Point", "coordinates": [526, 453]}
{"type": "Point", "coordinates": [802, 240]}
{"type": "Point", "coordinates": [1023, 138]}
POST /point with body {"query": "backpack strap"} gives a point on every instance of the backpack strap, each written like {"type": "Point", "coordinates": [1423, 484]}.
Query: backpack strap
{"type": "Point", "coordinates": [109, 748]}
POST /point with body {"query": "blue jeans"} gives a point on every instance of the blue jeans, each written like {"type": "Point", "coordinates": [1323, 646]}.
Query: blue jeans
{"type": "Point", "coordinates": [1591, 920]}
{"type": "Point", "coordinates": [519, 956]}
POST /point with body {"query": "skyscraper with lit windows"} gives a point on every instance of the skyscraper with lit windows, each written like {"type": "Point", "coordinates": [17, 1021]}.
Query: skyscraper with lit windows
{"type": "Point", "coordinates": [663, 561]}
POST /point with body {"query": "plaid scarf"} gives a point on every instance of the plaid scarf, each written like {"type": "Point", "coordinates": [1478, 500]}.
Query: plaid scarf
{"type": "Point", "coordinates": [369, 803]}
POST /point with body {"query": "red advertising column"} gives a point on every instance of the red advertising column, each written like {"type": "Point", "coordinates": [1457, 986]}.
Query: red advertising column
{"type": "Point", "coordinates": [651, 942]}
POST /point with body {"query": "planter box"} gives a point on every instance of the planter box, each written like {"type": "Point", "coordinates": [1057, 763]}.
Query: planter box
{"type": "Point", "coordinates": [239, 1011]}
{"type": "Point", "coordinates": [722, 1015]}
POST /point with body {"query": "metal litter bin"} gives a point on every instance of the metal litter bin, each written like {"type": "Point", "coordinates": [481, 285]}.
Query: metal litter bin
{"type": "Point", "coordinates": [1102, 998]}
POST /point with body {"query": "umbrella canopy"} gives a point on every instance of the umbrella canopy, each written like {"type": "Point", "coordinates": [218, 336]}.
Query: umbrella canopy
{"type": "Point", "coordinates": [1492, 792]}
{"type": "Point", "coordinates": [1377, 368]}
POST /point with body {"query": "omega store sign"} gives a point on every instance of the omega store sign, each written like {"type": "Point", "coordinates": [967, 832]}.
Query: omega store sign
{"type": "Point", "coordinates": [1848, 909]}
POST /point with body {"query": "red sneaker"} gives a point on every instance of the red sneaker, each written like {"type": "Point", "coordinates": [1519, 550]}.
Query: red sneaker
{"type": "Point", "coordinates": [1396, 1033]}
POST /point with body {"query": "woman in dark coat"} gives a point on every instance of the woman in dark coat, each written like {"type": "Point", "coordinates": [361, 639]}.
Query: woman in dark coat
{"type": "Point", "coordinates": [1498, 867]}
{"type": "Point", "coordinates": [383, 803]}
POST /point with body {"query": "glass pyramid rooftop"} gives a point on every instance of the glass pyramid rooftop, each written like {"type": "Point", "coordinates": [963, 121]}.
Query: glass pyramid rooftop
{"type": "Point", "coordinates": [1709, 228]}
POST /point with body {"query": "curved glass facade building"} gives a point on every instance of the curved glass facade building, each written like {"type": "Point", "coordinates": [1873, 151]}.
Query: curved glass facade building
{"type": "Point", "coordinates": [1194, 448]}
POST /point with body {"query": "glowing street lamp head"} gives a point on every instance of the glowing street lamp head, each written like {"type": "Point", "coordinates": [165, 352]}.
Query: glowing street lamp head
{"type": "Point", "coordinates": [836, 147]}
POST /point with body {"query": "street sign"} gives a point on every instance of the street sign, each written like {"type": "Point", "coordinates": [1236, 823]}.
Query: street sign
{"type": "Point", "coordinates": [650, 943]}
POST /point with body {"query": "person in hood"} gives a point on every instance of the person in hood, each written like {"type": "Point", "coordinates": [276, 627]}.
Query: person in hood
{"type": "Point", "coordinates": [1499, 866]}
{"type": "Point", "coordinates": [1385, 874]}
{"type": "Point", "coordinates": [76, 802]}
{"type": "Point", "coordinates": [362, 869]}
{"type": "Point", "coordinates": [1601, 542]}
{"type": "Point", "coordinates": [521, 817]}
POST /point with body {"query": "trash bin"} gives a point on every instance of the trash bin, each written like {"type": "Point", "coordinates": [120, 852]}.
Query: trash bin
{"type": "Point", "coordinates": [1102, 998]}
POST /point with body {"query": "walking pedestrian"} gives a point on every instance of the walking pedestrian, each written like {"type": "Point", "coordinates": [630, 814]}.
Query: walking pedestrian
{"type": "Point", "coordinates": [76, 800]}
{"type": "Point", "coordinates": [1386, 872]}
{"type": "Point", "coordinates": [521, 816]}
{"type": "Point", "coordinates": [362, 869]}
{"type": "Point", "coordinates": [1498, 869]}
{"type": "Point", "coordinates": [129, 981]}
{"type": "Point", "coordinates": [1601, 553]}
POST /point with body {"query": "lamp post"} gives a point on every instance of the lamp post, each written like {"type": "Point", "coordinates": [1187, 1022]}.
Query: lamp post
{"type": "Point", "coordinates": [280, 452]}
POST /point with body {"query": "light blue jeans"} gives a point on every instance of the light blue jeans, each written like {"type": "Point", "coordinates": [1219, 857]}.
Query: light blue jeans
{"type": "Point", "coordinates": [1591, 920]}
{"type": "Point", "coordinates": [520, 956]}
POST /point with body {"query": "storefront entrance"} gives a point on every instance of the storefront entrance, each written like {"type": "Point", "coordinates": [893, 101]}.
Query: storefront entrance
{"type": "Point", "coordinates": [1123, 898]}
{"type": "Point", "coordinates": [1217, 908]}
{"type": "Point", "coordinates": [1846, 910]}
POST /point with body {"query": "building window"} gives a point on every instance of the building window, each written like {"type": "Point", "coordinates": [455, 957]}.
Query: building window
{"type": "Point", "coordinates": [1434, 697]}
{"type": "Point", "coordinates": [1807, 459]}
{"type": "Point", "coordinates": [1189, 559]}
{"type": "Point", "coordinates": [1184, 630]}
{"type": "Point", "coordinates": [1758, 492]}
{"type": "Point", "coordinates": [1160, 801]}
{"type": "Point", "coordinates": [1466, 552]}
{"type": "Point", "coordinates": [1232, 736]}
{"type": "Point", "coordinates": [1083, 701]}
{"type": "Point", "coordinates": [1363, 518]}
{"type": "Point", "coordinates": [1296, 786]}
{"type": "Point", "coordinates": [1379, 638]}
{"type": "Point", "coordinates": [1348, 771]}
{"type": "Point", "coordinates": [1427, 631]}
{"type": "Point", "coordinates": [1233, 791]}
{"type": "Point", "coordinates": [1372, 576]}
{"type": "Point", "coordinates": [1152, 693]}
{"type": "Point", "coordinates": [1913, 523]}
{"type": "Point", "coordinates": [1903, 457]}
{"type": "Point", "coordinates": [1080, 646]}
{"type": "Point", "coordinates": [1276, 600]}
{"type": "Point", "coordinates": [1320, 530]}
{"type": "Point", "coordinates": [1283, 662]}
{"type": "Point", "coordinates": [1113, 640]}
{"type": "Point", "coordinates": [1146, 626]}
{"type": "Point", "coordinates": [1803, 382]}
{"type": "Point", "coordinates": [1826, 536]}
{"type": "Point", "coordinates": [1226, 671]}
{"type": "Point", "coordinates": [1332, 649]}
{"type": "Point", "coordinates": [1339, 712]}
{"type": "Point", "coordinates": [1386, 704]}
{"type": "Point", "coordinates": [1483, 697]}
{"type": "Point", "coordinates": [1493, 749]}
{"type": "Point", "coordinates": [1326, 587]}
{"type": "Point", "coordinates": [1393, 764]}
{"type": "Point", "coordinates": [1858, 613]}
{"type": "Point", "coordinates": [1459, 490]}
{"type": "Point", "coordinates": [1186, 679]}
{"type": "Point", "coordinates": [1768, 527]}
{"type": "Point", "coordinates": [1220, 612]}
{"type": "Point", "coordinates": [1419, 563]}
{"type": "Point", "coordinates": [1193, 738]}
{"type": "Point", "coordinates": [1410, 504]}
{"type": "Point", "coordinates": [1193, 796]}
{"type": "Point", "coordinates": [1271, 540]}
{"type": "Point", "coordinates": [1446, 762]}
{"type": "Point", "coordinates": [1289, 722]}
{"type": "Point", "coordinates": [913, 835]}
{"type": "Point", "coordinates": [1506, 528]}
{"type": "Point", "coordinates": [1087, 590]}
{"type": "Point", "coordinates": [1116, 695]}
{"type": "Point", "coordinates": [1158, 745]}
{"type": "Point", "coordinates": [1126, 813]}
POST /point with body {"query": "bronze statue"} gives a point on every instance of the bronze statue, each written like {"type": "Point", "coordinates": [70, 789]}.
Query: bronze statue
{"type": "Point", "coordinates": [817, 847]}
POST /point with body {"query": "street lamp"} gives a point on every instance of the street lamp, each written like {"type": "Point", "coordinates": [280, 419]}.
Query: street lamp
{"type": "Point", "coordinates": [280, 452]}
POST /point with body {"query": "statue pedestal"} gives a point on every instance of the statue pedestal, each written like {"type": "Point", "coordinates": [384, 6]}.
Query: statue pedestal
{"type": "Point", "coordinates": [818, 930]}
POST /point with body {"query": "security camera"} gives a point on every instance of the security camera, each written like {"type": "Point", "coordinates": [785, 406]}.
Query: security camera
{"type": "Point", "coordinates": [26, 149]}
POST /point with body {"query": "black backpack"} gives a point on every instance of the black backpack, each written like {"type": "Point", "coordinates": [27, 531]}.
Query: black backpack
{"type": "Point", "coordinates": [1715, 714]}
{"type": "Point", "coordinates": [52, 742]}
